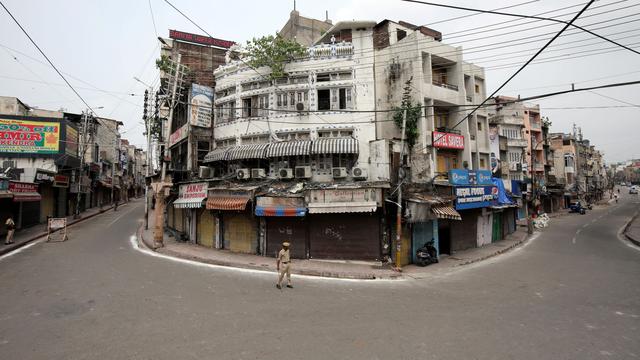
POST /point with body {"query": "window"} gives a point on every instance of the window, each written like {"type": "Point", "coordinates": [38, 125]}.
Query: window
{"type": "Point", "coordinates": [479, 126]}
{"type": "Point", "coordinates": [440, 118]}
{"type": "Point", "coordinates": [483, 165]}
{"type": "Point", "coordinates": [400, 34]}
{"type": "Point", "coordinates": [323, 77]}
{"type": "Point", "coordinates": [343, 98]}
{"type": "Point", "coordinates": [324, 99]}
{"type": "Point", "coordinates": [246, 108]}
{"type": "Point", "coordinates": [279, 100]}
{"type": "Point", "coordinates": [477, 89]}
{"type": "Point", "coordinates": [292, 96]}
{"type": "Point", "coordinates": [299, 97]}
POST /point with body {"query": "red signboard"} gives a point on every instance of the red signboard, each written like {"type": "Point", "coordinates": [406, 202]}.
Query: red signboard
{"type": "Point", "coordinates": [20, 187]}
{"type": "Point", "coordinates": [200, 39]}
{"type": "Point", "coordinates": [61, 181]}
{"type": "Point", "coordinates": [447, 140]}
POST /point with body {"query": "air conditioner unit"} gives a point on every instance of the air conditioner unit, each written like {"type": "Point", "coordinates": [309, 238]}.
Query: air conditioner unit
{"type": "Point", "coordinates": [339, 172]}
{"type": "Point", "coordinates": [242, 174]}
{"type": "Point", "coordinates": [205, 172]}
{"type": "Point", "coordinates": [300, 106]}
{"type": "Point", "coordinates": [8, 164]}
{"type": "Point", "coordinates": [285, 173]}
{"type": "Point", "coordinates": [359, 173]}
{"type": "Point", "coordinates": [258, 174]}
{"type": "Point", "coordinates": [303, 172]}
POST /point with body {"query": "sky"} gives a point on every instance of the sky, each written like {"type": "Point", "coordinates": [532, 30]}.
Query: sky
{"type": "Point", "coordinates": [101, 46]}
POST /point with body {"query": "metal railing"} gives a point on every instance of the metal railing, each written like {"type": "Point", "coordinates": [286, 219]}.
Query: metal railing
{"type": "Point", "coordinates": [445, 85]}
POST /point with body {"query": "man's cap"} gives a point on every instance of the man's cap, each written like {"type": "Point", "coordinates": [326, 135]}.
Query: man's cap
{"type": "Point", "coordinates": [286, 243]}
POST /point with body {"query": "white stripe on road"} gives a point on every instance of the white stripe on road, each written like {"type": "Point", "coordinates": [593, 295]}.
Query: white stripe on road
{"type": "Point", "coordinates": [133, 239]}
{"type": "Point", "coordinates": [22, 248]}
{"type": "Point", "coordinates": [121, 215]}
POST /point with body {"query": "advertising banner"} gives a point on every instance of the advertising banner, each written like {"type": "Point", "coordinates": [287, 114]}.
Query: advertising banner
{"type": "Point", "coordinates": [178, 135]}
{"type": "Point", "coordinates": [18, 136]}
{"type": "Point", "coordinates": [494, 148]}
{"type": "Point", "coordinates": [470, 177]}
{"type": "Point", "coordinates": [448, 141]}
{"type": "Point", "coordinates": [71, 147]}
{"type": "Point", "coordinates": [201, 106]}
{"type": "Point", "coordinates": [472, 197]}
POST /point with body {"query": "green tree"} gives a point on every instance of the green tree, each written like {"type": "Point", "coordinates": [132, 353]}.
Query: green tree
{"type": "Point", "coordinates": [414, 111]}
{"type": "Point", "coordinates": [274, 52]}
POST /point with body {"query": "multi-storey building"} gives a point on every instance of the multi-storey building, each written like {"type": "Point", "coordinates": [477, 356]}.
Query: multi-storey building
{"type": "Point", "coordinates": [508, 116]}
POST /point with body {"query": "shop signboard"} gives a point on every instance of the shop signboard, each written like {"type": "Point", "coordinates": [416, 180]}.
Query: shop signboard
{"type": "Point", "coordinates": [29, 137]}
{"type": "Point", "coordinates": [178, 135]}
{"type": "Point", "coordinates": [443, 140]}
{"type": "Point", "coordinates": [61, 181]}
{"type": "Point", "coordinates": [472, 197]}
{"type": "Point", "coordinates": [71, 142]}
{"type": "Point", "coordinates": [193, 191]}
{"type": "Point", "coordinates": [21, 187]}
{"type": "Point", "coordinates": [346, 195]}
{"type": "Point", "coordinates": [200, 39]}
{"type": "Point", "coordinates": [201, 102]}
{"type": "Point", "coordinates": [44, 177]}
{"type": "Point", "coordinates": [470, 177]}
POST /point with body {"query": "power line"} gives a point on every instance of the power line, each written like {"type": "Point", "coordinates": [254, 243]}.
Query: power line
{"type": "Point", "coordinates": [565, 27]}
{"type": "Point", "coordinates": [45, 56]}
{"type": "Point", "coordinates": [617, 100]}
{"type": "Point", "coordinates": [570, 23]}
{"type": "Point", "coordinates": [153, 20]}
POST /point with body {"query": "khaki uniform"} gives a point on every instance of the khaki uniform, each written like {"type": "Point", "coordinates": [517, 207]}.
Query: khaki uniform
{"type": "Point", "coordinates": [11, 228]}
{"type": "Point", "coordinates": [285, 266]}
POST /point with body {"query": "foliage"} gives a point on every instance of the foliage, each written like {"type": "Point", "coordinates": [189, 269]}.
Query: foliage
{"type": "Point", "coordinates": [164, 64]}
{"type": "Point", "coordinates": [274, 52]}
{"type": "Point", "coordinates": [546, 122]}
{"type": "Point", "coordinates": [414, 111]}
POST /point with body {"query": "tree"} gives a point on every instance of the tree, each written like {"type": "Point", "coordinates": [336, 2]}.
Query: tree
{"type": "Point", "coordinates": [414, 111]}
{"type": "Point", "coordinates": [274, 52]}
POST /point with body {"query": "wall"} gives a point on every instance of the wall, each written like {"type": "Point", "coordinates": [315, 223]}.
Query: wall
{"type": "Point", "coordinates": [302, 29]}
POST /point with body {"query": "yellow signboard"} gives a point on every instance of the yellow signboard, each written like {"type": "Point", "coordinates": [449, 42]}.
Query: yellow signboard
{"type": "Point", "coordinates": [29, 137]}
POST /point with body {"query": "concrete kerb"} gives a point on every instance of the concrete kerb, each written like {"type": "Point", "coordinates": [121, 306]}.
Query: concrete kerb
{"type": "Point", "coordinates": [524, 237]}
{"type": "Point", "coordinates": [8, 249]}
{"type": "Point", "coordinates": [630, 237]}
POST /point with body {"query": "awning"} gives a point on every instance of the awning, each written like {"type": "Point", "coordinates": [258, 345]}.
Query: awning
{"type": "Point", "coordinates": [289, 148]}
{"type": "Point", "coordinates": [216, 155]}
{"type": "Point", "coordinates": [335, 146]}
{"type": "Point", "coordinates": [26, 196]}
{"type": "Point", "coordinates": [194, 203]}
{"type": "Point", "coordinates": [227, 203]}
{"type": "Point", "coordinates": [503, 206]}
{"type": "Point", "coordinates": [251, 151]}
{"type": "Point", "coordinates": [4, 194]}
{"type": "Point", "coordinates": [342, 207]}
{"type": "Point", "coordinates": [280, 211]}
{"type": "Point", "coordinates": [446, 212]}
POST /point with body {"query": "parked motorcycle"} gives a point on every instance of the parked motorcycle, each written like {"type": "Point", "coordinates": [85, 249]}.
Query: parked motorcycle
{"type": "Point", "coordinates": [427, 254]}
{"type": "Point", "coordinates": [577, 208]}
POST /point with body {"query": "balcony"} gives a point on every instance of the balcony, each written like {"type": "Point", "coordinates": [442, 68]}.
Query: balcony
{"type": "Point", "coordinates": [536, 126]}
{"type": "Point", "coordinates": [569, 170]}
{"type": "Point", "coordinates": [538, 167]}
{"type": "Point", "coordinates": [517, 143]}
{"type": "Point", "coordinates": [325, 51]}
{"type": "Point", "coordinates": [445, 85]}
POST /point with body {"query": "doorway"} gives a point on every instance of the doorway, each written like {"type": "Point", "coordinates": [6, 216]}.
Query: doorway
{"type": "Point", "coordinates": [444, 237]}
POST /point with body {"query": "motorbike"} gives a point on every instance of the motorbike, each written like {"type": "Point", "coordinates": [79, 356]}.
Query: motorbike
{"type": "Point", "coordinates": [427, 254]}
{"type": "Point", "coordinates": [577, 208]}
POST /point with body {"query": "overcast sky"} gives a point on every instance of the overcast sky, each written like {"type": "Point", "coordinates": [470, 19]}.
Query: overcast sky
{"type": "Point", "coordinates": [104, 44]}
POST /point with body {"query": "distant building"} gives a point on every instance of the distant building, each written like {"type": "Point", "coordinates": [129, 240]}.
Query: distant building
{"type": "Point", "coordinates": [305, 31]}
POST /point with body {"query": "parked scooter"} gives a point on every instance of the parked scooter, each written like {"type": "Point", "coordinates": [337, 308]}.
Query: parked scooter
{"type": "Point", "coordinates": [427, 254]}
{"type": "Point", "coordinates": [577, 208]}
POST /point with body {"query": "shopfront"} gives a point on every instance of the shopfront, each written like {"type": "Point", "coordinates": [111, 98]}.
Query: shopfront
{"type": "Point", "coordinates": [26, 203]}
{"type": "Point", "coordinates": [238, 225]}
{"type": "Point", "coordinates": [6, 205]}
{"type": "Point", "coordinates": [345, 223]}
{"type": "Point", "coordinates": [188, 203]}
{"type": "Point", "coordinates": [45, 180]}
{"type": "Point", "coordinates": [284, 219]}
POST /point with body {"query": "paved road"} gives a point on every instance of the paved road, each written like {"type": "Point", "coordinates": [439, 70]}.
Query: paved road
{"type": "Point", "coordinates": [573, 293]}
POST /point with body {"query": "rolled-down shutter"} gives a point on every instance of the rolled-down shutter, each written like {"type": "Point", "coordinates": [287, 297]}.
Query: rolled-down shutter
{"type": "Point", "coordinates": [291, 229]}
{"type": "Point", "coordinates": [344, 236]}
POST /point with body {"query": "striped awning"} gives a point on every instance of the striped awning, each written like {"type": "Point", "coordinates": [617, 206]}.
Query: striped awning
{"type": "Point", "coordinates": [251, 151]}
{"type": "Point", "coordinates": [227, 203]}
{"type": "Point", "coordinates": [289, 148]}
{"type": "Point", "coordinates": [335, 146]}
{"type": "Point", "coordinates": [342, 207]}
{"type": "Point", "coordinates": [280, 211]}
{"type": "Point", "coordinates": [26, 196]}
{"type": "Point", "coordinates": [446, 212]}
{"type": "Point", "coordinates": [218, 154]}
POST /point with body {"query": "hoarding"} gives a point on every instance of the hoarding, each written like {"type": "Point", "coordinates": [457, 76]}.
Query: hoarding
{"type": "Point", "coordinates": [178, 135]}
{"type": "Point", "coordinates": [21, 136]}
{"type": "Point", "coordinates": [470, 177]}
{"type": "Point", "coordinates": [494, 148]}
{"type": "Point", "coordinates": [71, 147]}
{"type": "Point", "coordinates": [472, 197]}
{"type": "Point", "coordinates": [201, 106]}
{"type": "Point", "coordinates": [200, 39]}
{"type": "Point", "coordinates": [447, 141]}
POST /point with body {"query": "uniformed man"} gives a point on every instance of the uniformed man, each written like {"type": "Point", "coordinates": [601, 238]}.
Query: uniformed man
{"type": "Point", "coordinates": [283, 264]}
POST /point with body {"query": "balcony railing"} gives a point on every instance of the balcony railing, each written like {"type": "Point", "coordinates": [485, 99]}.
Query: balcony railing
{"type": "Point", "coordinates": [330, 50]}
{"type": "Point", "coordinates": [445, 85]}
{"type": "Point", "coordinates": [536, 126]}
{"type": "Point", "coordinates": [448, 130]}
{"type": "Point", "coordinates": [517, 142]}
{"type": "Point", "coordinates": [470, 98]}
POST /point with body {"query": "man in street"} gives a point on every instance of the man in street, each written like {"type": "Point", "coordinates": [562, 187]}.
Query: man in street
{"type": "Point", "coordinates": [283, 264]}
{"type": "Point", "coordinates": [11, 228]}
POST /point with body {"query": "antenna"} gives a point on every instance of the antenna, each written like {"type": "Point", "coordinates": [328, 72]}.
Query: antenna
{"type": "Point", "coordinates": [294, 5]}
{"type": "Point", "coordinates": [326, 15]}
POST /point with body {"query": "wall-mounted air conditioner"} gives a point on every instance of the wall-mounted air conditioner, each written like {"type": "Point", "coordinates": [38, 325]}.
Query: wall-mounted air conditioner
{"type": "Point", "coordinates": [303, 172]}
{"type": "Point", "coordinates": [359, 173]}
{"type": "Point", "coordinates": [243, 174]}
{"type": "Point", "coordinates": [339, 172]}
{"type": "Point", "coordinates": [285, 173]}
{"type": "Point", "coordinates": [258, 174]}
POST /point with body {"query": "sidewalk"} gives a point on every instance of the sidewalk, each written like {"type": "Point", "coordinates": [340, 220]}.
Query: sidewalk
{"type": "Point", "coordinates": [632, 231]}
{"type": "Point", "coordinates": [24, 236]}
{"type": "Point", "coordinates": [328, 268]}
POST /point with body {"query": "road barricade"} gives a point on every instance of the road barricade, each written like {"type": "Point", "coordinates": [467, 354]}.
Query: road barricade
{"type": "Point", "coordinates": [57, 229]}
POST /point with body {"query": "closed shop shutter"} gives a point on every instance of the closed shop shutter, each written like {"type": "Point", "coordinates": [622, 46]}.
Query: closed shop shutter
{"type": "Point", "coordinates": [497, 227]}
{"type": "Point", "coordinates": [291, 229]}
{"type": "Point", "coordinates": [178, 218]}
{"type": "Point", "coordinates": [464, 233]}
{"type": "Point", "coordinates": [344, 236]}
{"type": "Point", "coordinates": [206, 228]}
{"type": "Point", "coordinates": [47, 204]}
{"type": "Point", "coordinates": [422, 233]}
{"type": "Point", "coordinates": [240, 233]}
{"type": "Point", "coordinates": [30, 213]}
{"type": "Point", "coordinates": [170, 214]}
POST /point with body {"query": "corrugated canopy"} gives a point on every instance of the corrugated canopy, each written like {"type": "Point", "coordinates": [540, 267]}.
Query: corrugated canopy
{"type": "Point", "coordinates": [251, 151]}
{"type": "Point", "coordinates": [342, 207]}
{"type": "Point", "coordinates": [446, 212]}
{"type": "Point", "coordinates": [218, 154]}
{"type": "Point", "coordinates": [335, 146]}
{"type": "Point", "coordinates": [227, 203]}
{"type": "Point", "coordinates": [289, 148]}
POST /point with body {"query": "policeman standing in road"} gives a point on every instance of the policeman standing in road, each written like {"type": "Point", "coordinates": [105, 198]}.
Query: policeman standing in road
{"type": "Point", "coordinates": [283, 264]}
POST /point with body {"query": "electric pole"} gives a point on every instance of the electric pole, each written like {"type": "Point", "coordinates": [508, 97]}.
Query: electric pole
{"type": "Point", "coordinates": [145, 118]}
{"type": "Point", "coordinates": [160, 189]}
{"type": "Point", "coordinates": [400, 181]}
{"type": "Point", "coordinates": [82, 149]}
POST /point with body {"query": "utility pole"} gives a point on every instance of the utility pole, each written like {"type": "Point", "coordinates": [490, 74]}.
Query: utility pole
{"type": "Point", "coordinates": [400, 181]}
{"type": "Point", "coordinates": [160, 189]}
{"type": "Point", "coordinates": [145, 118]}
{"type": "Point", "coordinates": [83, 146]}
